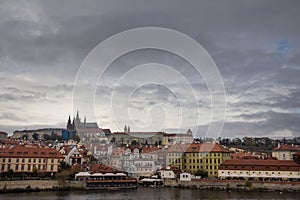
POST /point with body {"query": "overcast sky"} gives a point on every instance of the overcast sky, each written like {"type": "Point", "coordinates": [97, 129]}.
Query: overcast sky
{"type": "Point", "coordinates": [254, 44]}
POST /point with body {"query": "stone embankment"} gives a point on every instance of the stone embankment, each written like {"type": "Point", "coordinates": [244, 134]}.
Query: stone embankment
{"type": "Point", "coordinates": [235, 185]}
{"type": "Point", "coordinates": [35, 185]}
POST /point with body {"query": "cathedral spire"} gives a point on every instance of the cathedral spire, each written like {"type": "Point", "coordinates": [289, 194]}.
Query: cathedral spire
{"type": "Point", "coordinates": [69, 122]}
{"type": "Point", "coordinates": [77, 115]}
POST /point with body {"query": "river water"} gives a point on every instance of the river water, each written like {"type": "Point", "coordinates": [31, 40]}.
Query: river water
{"type": "Point", "coordinates": [148, 193]}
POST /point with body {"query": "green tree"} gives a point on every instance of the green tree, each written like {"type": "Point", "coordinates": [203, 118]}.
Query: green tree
{"type": "Point", "coordinates": [46, 137]}
{"type": "Point", "coordinates": [34, 171]}
{"type": "Point", "coordinates": [64, 166]}
{"type": "Point", "coordinates": [63, 176]}
{"type": "Point", "coordinates": [10, 173]}
{"type": "Point", "coordinates": [201, 173]}
{"type": "Point", "coordinates": [35, 136]}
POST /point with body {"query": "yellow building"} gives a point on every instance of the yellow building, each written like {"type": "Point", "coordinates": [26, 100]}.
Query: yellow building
{"type": "Point", "coordinates": [175, 155]}
{"type": "Point", "coordinates": [199, 156]}
{"type": "Point", "coordinates": [28, 159]}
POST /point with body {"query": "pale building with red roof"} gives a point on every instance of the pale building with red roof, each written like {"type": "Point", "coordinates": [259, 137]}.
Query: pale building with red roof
{"type": "Point", "coordinates": [285, 151]}
{"type": "Point", "coordinates": [259, 169]}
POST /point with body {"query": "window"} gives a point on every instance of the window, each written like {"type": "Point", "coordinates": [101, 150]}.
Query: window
{"type": "Point", "coordinates": [9, 160]}
{"type": "Point", "coordinates": [3, 160]}
{"type": "Point", "coordinates": [17, 159]}
{"type": "Point", "coordinates": [40, 160]}
{"type": "Point", "coordinates": [52, 160]}
{"type": "Point", "coordinates": [28, 167]}
{"type": "Point", "coordinates": [23, 160]}
{"type": "Point", "coordinates": [22, 167]}
{"type": "Point", "coordinates": [2, 167]}
{"type": "Point", "coordinates": [29, 160]}
{"type": "Point", "coordinates": [34, 160]}
{"type": "Point", "coordinates": [17, 167]}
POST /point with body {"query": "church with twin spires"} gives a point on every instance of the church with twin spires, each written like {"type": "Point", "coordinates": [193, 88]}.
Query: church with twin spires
{"type": "Point", "coordinates": [87, 131]}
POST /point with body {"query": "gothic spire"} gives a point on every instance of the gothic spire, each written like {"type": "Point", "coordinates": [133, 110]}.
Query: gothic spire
{"type": "Point", "coordinates": [69, 122]}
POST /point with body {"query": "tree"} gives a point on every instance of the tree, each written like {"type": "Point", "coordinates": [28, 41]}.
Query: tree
{"type": "Point", "coordinates": [35, 136]}
{"type": "Point", "coordinates": [34, 170]}
{"type": "Point", "coordinates": [64, 166]}
{"type": "Point", "coordinates": [25, 137]}
{"type": "Point", "coordinates": [63, 176]}
{"type": "Point", "coordinates": [201, 173]}
{"type": "Point", "coordinates": [46, 137]}
{"type": "Point", "coordinates": [10, 173]}
{"type": "Point", "coordinates": [113, 140]}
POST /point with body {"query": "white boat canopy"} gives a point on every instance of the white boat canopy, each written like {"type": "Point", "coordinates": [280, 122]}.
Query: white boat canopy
{"type": "Point", "coordinates": [82, 174]}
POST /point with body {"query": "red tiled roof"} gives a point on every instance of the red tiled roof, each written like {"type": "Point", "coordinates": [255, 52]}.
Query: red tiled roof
{"type": "Point", "coordinates": [178, 148]}
{"type": "Point", "coordinates": [3, 133]}
{"type": "Point", "coordinates": [10, 141]}
{"type": "Point", "coordinates": [100, 168]}
{"type": "Point", "coordinates": [150, 149]}
{"type": "Point", "coordinates": [137, 133]}
{"type": "Point", "coordinates": [177, 134]}
{"type": "Point", "coordinates": [243, 156]}
{"type": "Point", "coordinates": [19, 151]}
{"type": "Point", "coordinates": [106, 131]}
{"type": "Point", "coordinates": [286, 147]}
{"type": "Point", "coordinates": [117, 151]}
{"type": "Point", "coordinates": [260, 164]}
{"type": "Point", "coordinates": [206, 147]}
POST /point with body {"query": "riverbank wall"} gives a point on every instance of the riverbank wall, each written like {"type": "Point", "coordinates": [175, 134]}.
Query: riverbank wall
{"type": "Point", "coordinates": [36, 185]}
{"type": "Point", "coordinates": [235, 185]}
{"type": "Point", "coordinates": [31, 185]}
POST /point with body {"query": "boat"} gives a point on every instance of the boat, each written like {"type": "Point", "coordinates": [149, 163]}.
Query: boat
{"type": "Point", "coordinates": [154, 182]}
{"type": "Point", "coordinates": [107, 181]}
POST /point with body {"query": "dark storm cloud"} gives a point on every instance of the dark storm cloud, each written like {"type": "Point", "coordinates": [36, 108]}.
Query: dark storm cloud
{"type": "Point", "coordinates": [267, 123]}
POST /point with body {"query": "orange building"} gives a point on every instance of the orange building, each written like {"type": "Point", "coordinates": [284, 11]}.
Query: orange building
{"type": "Point", "coordinates": [23, 159]}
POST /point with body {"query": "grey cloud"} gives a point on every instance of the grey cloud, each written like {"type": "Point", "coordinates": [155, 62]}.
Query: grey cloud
{"type": "Point", "coordinates": [242, 37]}
{"type": "Point", "coordinates": [16, 94]}
{"type": "Point", "coordinates": [12, 117]}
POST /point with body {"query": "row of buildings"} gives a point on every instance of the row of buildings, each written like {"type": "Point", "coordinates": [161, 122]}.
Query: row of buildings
{"type": "Point", "coordinates": [213, 158]}
{"type": "Point", "coordinates": [140, 153]}
{"type": "Point", "coordinates": [91, 133]}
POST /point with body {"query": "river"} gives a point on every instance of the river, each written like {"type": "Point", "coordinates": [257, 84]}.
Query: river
{"type": "Point", "coordinates": [148, 193]}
